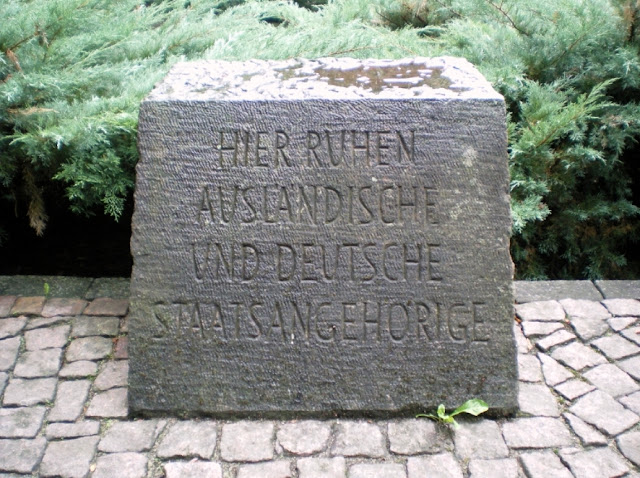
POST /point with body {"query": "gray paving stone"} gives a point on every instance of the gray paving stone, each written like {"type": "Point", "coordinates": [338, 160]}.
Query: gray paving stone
{"type": "Point", "coordinates": [247, 441]}
{"type": "Point", "coordinates": [9, 352]}
{"type": "Point", "coordinates": [632, 402]}
{"type": "Point", "coordinates": [47, 338]}
{"type": "Point", "coordinates": [272, 469]}
{"type": "Point", "coordinates": [529, 368]}
{"type": "Point", "coordinates": [502, 468]}
{"type": "Point", "coordinates": [556, 338]}
{"type": "Point", "coordinates": [133, 436]}
{"type": "Point", "coordinates": [616, 347]}
{"type": "Point", "coordinates": [110, 404]}
{"type": "Point", "coordinates": [588, 328]}
{"type": "Point", "coordinates": [355, 438]}
{"type": "Point", "coordinates": [25, 393]}
{"type": "Point", "coordinates": [414, 436]}
{"type": "Point", "coordinates": [39, 322]}
{"type": "Point", "coordinates": [21, 422]}
{"type": "Point", "coordinates": [303, 437]}
{"type": "Point", "coordinates": [377, 470]}
{"type": "Point", "coordinates": [114, 287]}
{"type": "Point", "coordinates": [619, 289]}
{"type": "Point", "coordinates": [544, 464]}
{"type": "Point", "coordinates": [580, 308]}
{"type": "Point", "coordinates": [63, 306]}
{"type": "Point", "coordinates": [6, 304]}
{"type": "Point", "coordinates": [631, 366]}
{"type": "Point", "coordinates": [481, 439]}
{"type": "Point", "coordinates": [629, 446]}
{"type": "Point", "coordinates": [69, 458]}
{"type": "Point", "coordinates": [543, 311]}
{"type": "Point", "coordinates": [530, 291]}
{"type": "Point", "coordinates": [588, 435]}
{"type": "Point", "coordinates": [69, 401]}
{"type": "Point", "coordinates": [114, 374]}
{"type": "Point", "coordinates": [633, 334]}
{"type": "Point", "coordinates": [60, 286]}
{"type": "Point", "coordinates": [89, 348]}
{"type": "Point", "coordinates": [11, 326]}
{"type": "Point", "coordinates": [573, 389]}
{"type": "Point", "coordinates": [596, 463]}
{"type": "Point", "coordinates": [622, 307]}
{"type": "Point", "coordinates": [90, 326]}
{"type": "Point", "coordinates": [4, 378]}
{"type": "Point", "coordinates": [620, 323]}
{"type": "Point", "coordinates": [122, 465]}
{"type": "Point", "coordinates": [193, 469]}
{"type": "Point", "coordinates": [72, 430]}
{"type": "Point", "coordinates": [21, 456]}
{"type": "Point", "coordinates": [107, 306]}
{"type": "Point", "coordinates": [533, 329]}
{"type": "Point", "coordinates": [322, 467]}
{"type": "Point", "coordinates": [536, 432]}
{"type": "Point", "coordinates": [602, 411]}
{"type": "Point", "coordinates": [189, 439]}
{"type": "Point", "coordinates": [443, 465]}
{"type": "Point", "coordinates": [524, 344]}
{"type": "Point", "coordinates": [536, 399]}
{"type": "Point", "coordinates": [612, 380]}
{"type": "Point", "coordinates": [553, 372]}
{"type": "Point", "coordinates": [38, 363]}
{"type": "Point", "coordinates": [28, 306]}
{"type": "Point", "coordinates": [82, 368]}
{"type": "Point", "coordinates": [578, 356]}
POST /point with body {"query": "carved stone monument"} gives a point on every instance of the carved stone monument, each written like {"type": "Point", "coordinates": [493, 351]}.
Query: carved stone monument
{"type": "Point", "coordinates": [321, 237]}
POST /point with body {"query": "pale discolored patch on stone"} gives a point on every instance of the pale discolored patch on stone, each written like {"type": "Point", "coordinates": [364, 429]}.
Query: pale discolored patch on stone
{"type": "Point", "coordinates": [27, 392]}
{"type": "Point", "coordinates": [543, 311]}
{"type": "Point", "coordinates": [109, 404]}
{"type": "Point", "coordinates": [247, 441]}
{"type": "Point", "coordinates": [503, 468]}
{"type": "Point", "coordinates": [358, 439]}
{"type": "Point", "coordinates": [304, 437]}
{"type": "Point", "coordinates": [28, 306]}
{"type": "Point", "coordinates": [187, 439]}
{"type": "Point", "coordinates": [578, 356]}
{"type": "Point", "coordinates": [596, 463]}
{"type": "Point", "coordinates": [193, 469]}
{"type": "Point", "coordinates": [415, 436]}
{"type": "Point", "coordinates": [122, 465]}
{"type": "Point", "coordinates": [443, 465]}
{"type": "Point", "coordinates": [602, 411]}
{"type": "Point", "coordinates": [63, 306]}
{"type": "Point", "coordinates": [21, 456]}
{"type": "Point", "coordinates": [89, 348]}
{"type": "Point", "coordinates": [588, 435]}
{"type": "Point", "coordinates": [536, 432]}
{"type": "Point", "coordinates": [544, 464]}
{"type": "Point", "coordinates": [46, 338]}
{"type": "Point", "coordinates": [482, 439]}
{"type": "Point", "coordinates": [11, 326]}
{"type": "Point", "coordinates": [612, 380]}
{"type": "Point", "coordinates": [273, 469]}
{"type": "Point", "coordinates": [69, 458]}
{"type": "Point", "coordinates": [106, 306]}
{"type": "Point", "coordinates": [38, 363]}
{"type": "Point", "coordinates": [322, 467]}
{"type": "Point", "coordinates": [623, 307]}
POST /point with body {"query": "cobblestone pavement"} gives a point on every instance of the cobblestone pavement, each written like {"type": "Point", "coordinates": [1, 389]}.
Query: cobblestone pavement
{"type": "Point", "coordinates": [63, 385]}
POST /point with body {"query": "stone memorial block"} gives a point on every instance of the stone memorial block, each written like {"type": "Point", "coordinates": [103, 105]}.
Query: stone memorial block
{"type": "Point", "coordinates": [321, 237]}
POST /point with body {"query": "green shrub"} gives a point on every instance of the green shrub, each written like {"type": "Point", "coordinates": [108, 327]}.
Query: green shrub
{"type": "Point", "coordinates": [73, 72]}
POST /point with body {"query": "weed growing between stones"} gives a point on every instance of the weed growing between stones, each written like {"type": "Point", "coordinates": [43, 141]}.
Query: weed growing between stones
{"type": "Point", "coordinates": [474, 407]}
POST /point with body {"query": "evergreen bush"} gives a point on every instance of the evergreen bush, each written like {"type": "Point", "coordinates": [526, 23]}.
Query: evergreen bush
{"type": "Point", "coordinates": [73, 72]}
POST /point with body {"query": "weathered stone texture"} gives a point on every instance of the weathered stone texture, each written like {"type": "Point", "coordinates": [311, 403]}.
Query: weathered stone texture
{"type": "Point", "coordinates": [298, 233]}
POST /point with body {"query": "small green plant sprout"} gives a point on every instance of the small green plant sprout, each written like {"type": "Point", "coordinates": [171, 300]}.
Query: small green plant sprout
{"type": "Point", "coordinates": [47, 289]}
{"type": "Point", "coordinates": [474, 407]}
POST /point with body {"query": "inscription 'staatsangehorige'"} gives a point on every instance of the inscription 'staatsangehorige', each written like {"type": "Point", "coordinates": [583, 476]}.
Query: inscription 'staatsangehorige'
{"type": "Point", "coordinates": [321, 237]}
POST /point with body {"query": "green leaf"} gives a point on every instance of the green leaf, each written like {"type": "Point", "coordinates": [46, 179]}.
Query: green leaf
{"type": "Point", "coordinates": [474, 407]}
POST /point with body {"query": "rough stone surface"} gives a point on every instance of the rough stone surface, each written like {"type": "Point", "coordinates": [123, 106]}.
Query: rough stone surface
{"type": "Point", "coordinates": [619, 323]}
{"type": "Point", "coordinates": [588, 435]}
{"type": "Point", "coordinates": [537, 399]}
{"type": "Point", "coordinates": [322, 467]}
{"type": "Point", "coordinates": [24, 422]}
{"type": "Point", "coordinates": [619, 289]}
{"type": "Point", "coordinates": [480, 440]}
{"type": "Point", "coordinates": [89, 348]}
{"type": "Point", "coordinates": [633, 334]}
{"type": "Point", "coordinates": [443, 465]}
{"type": "Point", "coordinates": [247, 441]}
{"type": "Point", "coordinates": [622, 307]}
{"type": "Point", "coordinates": [73, 430]}
{"type": "Point", "coordinates": [579, 308]}
{"type": "Point", "coordinates": [578, 356]}
{"type": "Point", "coordinates": [529, 368]}
{"type": "Point", "coordinates": [189, 439]}
{"type": "Point", "coordinates": [573, 389]}
{"type": "Point", "coordinates": [38, 363]}
{"type": "Point", "coordinates": [69, 458]}
{"type": "Point", "coordinates": [599, 409]}
{"type": "Point", "coordinates": [59, 286]}
{"type": "Point", "coordinates": [112, 287]}
{"type": "Point", "coordinates": [81, 368]}
{"type": "Point", "coordinates": [359, 439]}
{"type": "Point", "coordinates": [557, 338]}
{"type": "Point", "coordinates": [554, 373]}
{"type": "Point", "coordinates": [114, 374]}
{"type": "Point", "coordinates": [304, 437]}
{"type": "Point", "coordinates": [134, 436]}
{"type": "Point", "coordinates": [51, 337]}
{"type": "Point", "coordinates": [544, 464]}
{"type": "Point", "coordinates": [193, 470]}
{"type": "Point", "coordinates": [534, 291]}
{"type": "Point", "coordinates": [274, 469]}
{"type": "Point", "coordinates": [536, 432]}
{"type": "Point", "coordinates": [87, 326]}
{"type": "Point", "coordinates": [612, 380]}
{"type": "Point", "coordinates": [538, 329]}
{"type": "Point", "coordinates": [6, 303]}
{"type": "Point", "coordinates": [375, 470]}
{"type": "Point", "coordinates": [63, 306]}
{"type": "Point", "coordinates": [11, 326]}
{"type": "Point", "coordinates": [596, 463]}
{"type": "Point", "coordinates": [121, 349]}
{"type": "Point", "coordinates": [28, 306]}
{"type": "Point", "coordinates": [629, 445]}
{"type": "Point", "coordinates": [616, 347]}
{"type": "Point", "coordinates": [631, 366]}
{"type": "Point", "coordinates": [29, 392]}
{"type": "Point", "coordinates": [70, 401]}
{"type": "Point", "coordinates": [39, 322]}
{"type": "Point", "coordinates": [112, 403]}
{"type": "Point", "coordinates": [504, 468]}
{"type": "Point", "coordinates": [411, 437]}
{"type": "Point", "coordinates": [398, 215]}
{"type": "Point", "coordinates": [588, 328]}
{"type": "Point", "coordinates": [544, 311]}
{"type": "Point", "coordinates": [21, 456]}
{"type": "Point", "coordinates": [122, 465]}
{"type": "Point", "coordinates": [108, 306]}
{"type": "Point", "coordinates": [9, 352]}
{"type": "Point", "coordinates": [632, 402]}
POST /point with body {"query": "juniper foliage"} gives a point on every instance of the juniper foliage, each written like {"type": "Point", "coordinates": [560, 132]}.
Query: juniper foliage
{"type": "Point", "coordinates": [72, 74]}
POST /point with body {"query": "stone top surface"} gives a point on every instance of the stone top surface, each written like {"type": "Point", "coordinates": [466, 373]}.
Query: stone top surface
{"type": "Point", "coordinates": [325, 78]}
